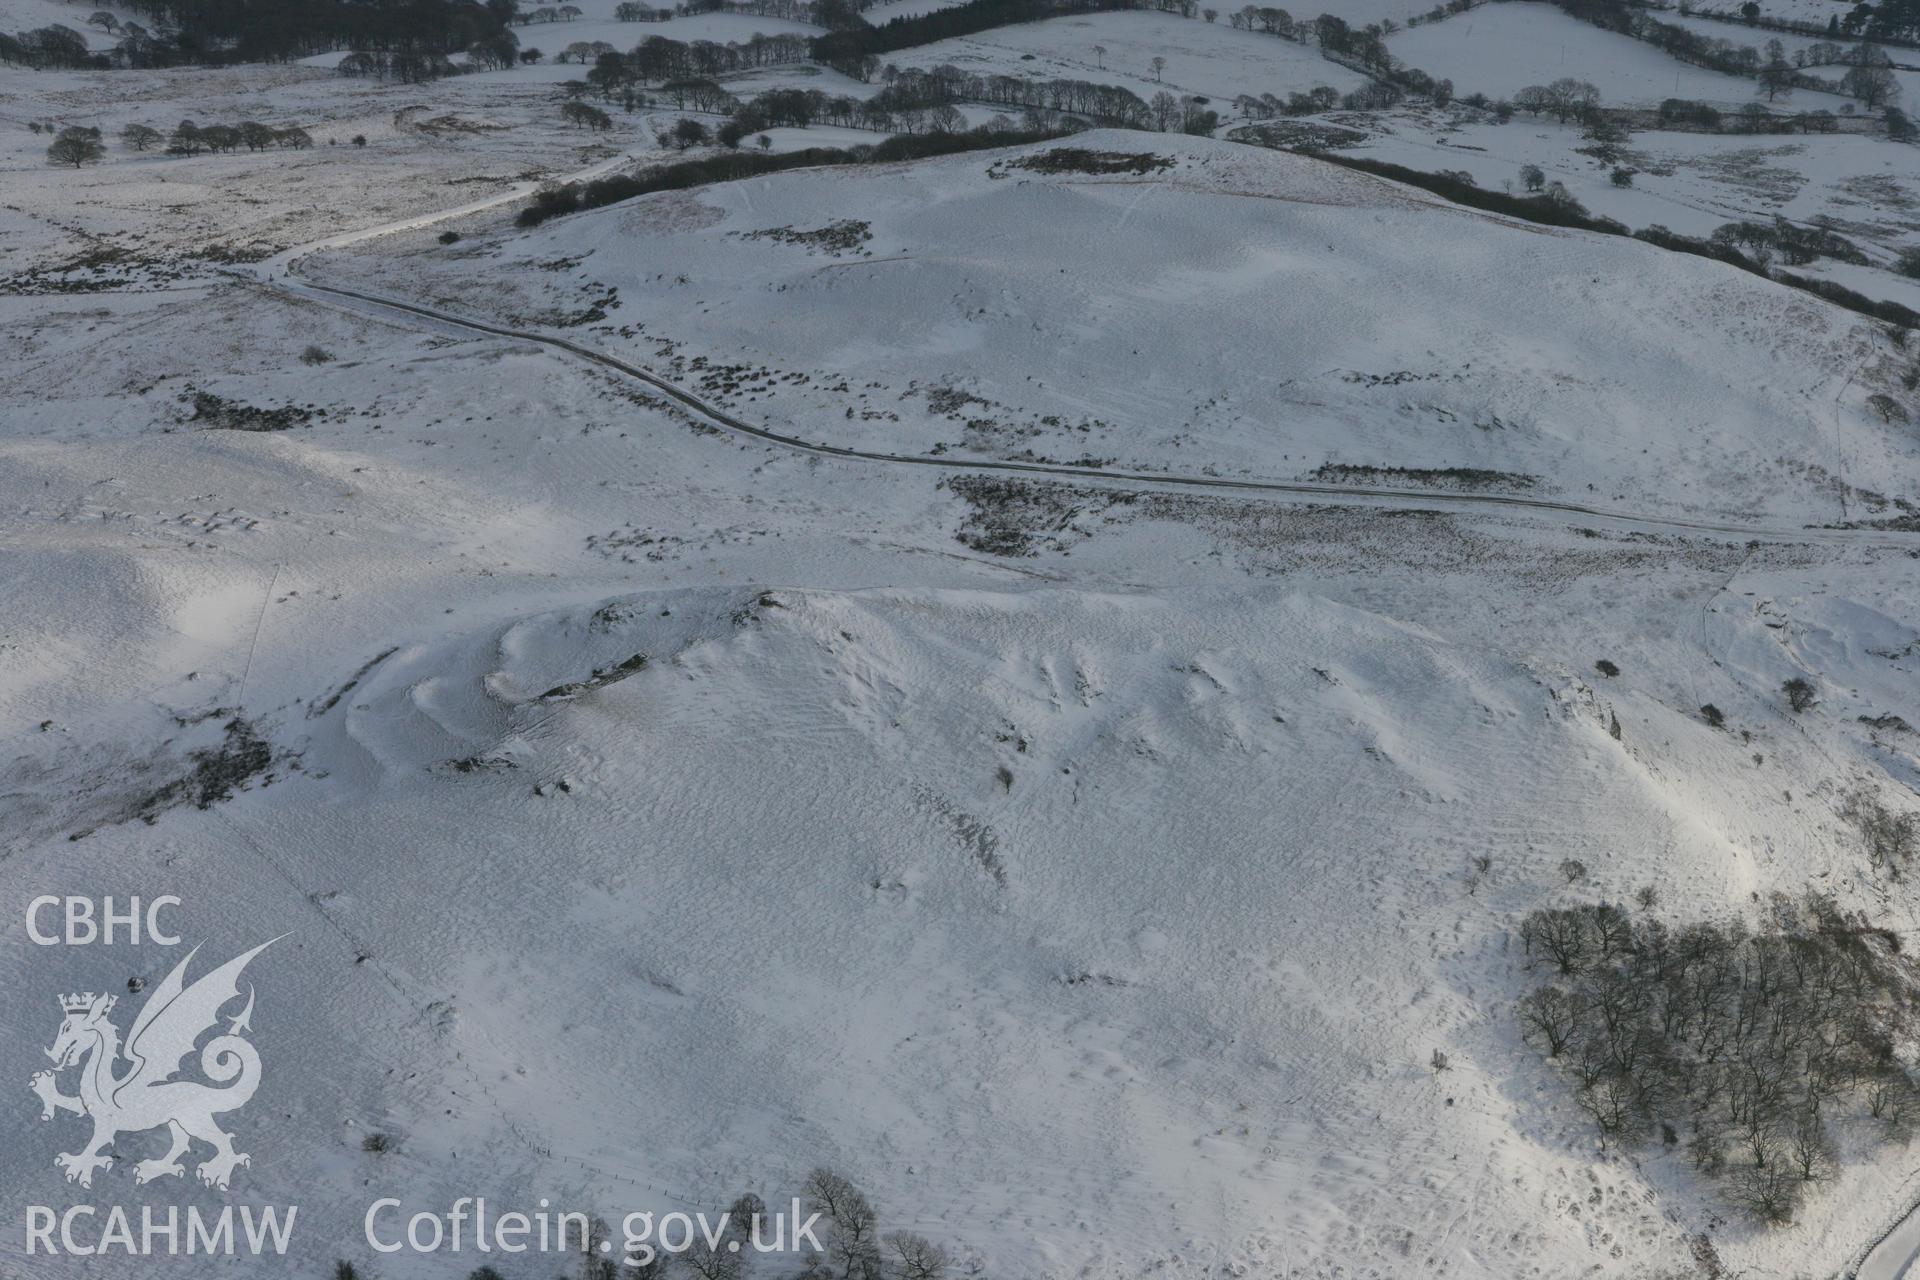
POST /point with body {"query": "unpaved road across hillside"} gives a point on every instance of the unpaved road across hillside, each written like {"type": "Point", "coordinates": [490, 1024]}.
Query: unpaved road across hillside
{"type": "Point", "coordinates": [284, 274]}
{"type": "Point", "coordinates": [297, 285]}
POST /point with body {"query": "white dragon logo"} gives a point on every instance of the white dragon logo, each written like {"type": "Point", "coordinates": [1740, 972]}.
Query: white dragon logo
{"type": "Point", "coordinates": [146, 1096]}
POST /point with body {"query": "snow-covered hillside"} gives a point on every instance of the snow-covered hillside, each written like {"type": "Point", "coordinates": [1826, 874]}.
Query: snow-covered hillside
{"type": "Point", "coordinates": [1087, 910]}
{"type": "Point", "coordinates": [1203, 312]}
{"type": "Point", "coordinates": [770, 731]}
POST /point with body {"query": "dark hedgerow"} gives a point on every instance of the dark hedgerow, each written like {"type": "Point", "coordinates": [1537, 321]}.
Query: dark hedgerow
{"type": "Point", "coordinates": [1538, 208]}
{"type": "Point", "coordinates": [733, 166]}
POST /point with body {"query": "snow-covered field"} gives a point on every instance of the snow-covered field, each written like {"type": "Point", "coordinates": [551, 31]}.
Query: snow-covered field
{"type": "Point", "coordinates": [1866, 187]}
{"type": "Point", "coordinates": [1758, 38]}
{"type": "Point", "coordinates": [1211, 59]}
{"type": "Point", "coordinates": [1502, 48]}
{"type": "Point", "coordinates": [428, 148]}
{"type": "Point", "coordinates": [1084, 865]}
{"type": "Point", "coordinates": [1814, 11]}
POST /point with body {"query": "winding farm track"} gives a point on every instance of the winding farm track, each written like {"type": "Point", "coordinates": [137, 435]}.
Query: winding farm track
{"type": "Point", "coordinates": [1400, 498]}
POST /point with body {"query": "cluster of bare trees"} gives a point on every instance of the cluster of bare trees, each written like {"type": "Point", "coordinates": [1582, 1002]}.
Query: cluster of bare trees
{"type": "Point", "coordinates": [1747, 1044]}
{"type": "Point", "coordinates": [657, 60]}
{"type": "Point", "coordinates": [1565, 99]}
{"type": "Point", "coordinates": [582, 116]}
{"type": "Point", "coordinates": [799, 108]}
{"type": "Point", "coordinates": [856, 1250]}
{"type": "Point", "coordinates": [52, 46]}
{"type": "Point", "coordinates": [944, 85]}
{"type": "Point", "coordinates": [547, 13]}
{"type": "Point", "coordinates": [819, 13]}
{"type": "Point", "coordinates": [1363, 49]}
{"type": "Point", "coordinates": [1333, 34]}
{"type": "Point", "coordinates": [77, 145]}
{"type": "Point", "coordinates": [854, 1246]}
{"type": "Point", "coordinates": [188, 138]}
{"type": "Point", "coordinates": [583, 52]}
{"type": "Point", "coordinates": [1868, 78]}
{"type": "Point", "coordinates": [1271, 21]}
{"type": "Point", "coordinates": [406, 66]}
{"type": "Point", "coordinates": [1796, 245]}
{"type": "Point", "coordinates": [1315, 100]}
{"type": "Point", "coordinates": [1752, 117]}
{"type": "Point", "coordinates": [918, 101]}
{"type": "Point", "coordinates": [1892, 836]}
{"type": "Point", "coordinates": [1441, 12]}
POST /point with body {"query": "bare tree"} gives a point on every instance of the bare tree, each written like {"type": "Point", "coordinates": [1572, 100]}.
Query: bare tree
{"type": "Point", "coordinates": [1550, 1016]}
{"type": "Point", "coordinates": [1561, 936]}
{"type": "Point", "coordinates": [1769, 1192]}
{"type": "Point", "coordinates": [1611, 1103]}
{"type": "Point", "coordinates": [596, 1262]}
{"type": "Point", "coordinates": [1799, 694]}
{"type": "Point", "coordinates": [1809, 1148]}
{"type": "Point", "coordinates": [916, 1257]}
{"type": "Point", "coordinates": [76, 145]}
{"type": "Point", "coordinates": [1570, 99]}
{"type": "Point", "coordinates": [187, 139]}
{"type": "Point", "coordinates": [1777, 76]}
{"type": "Point", "coordinates": [1164, 111]}
{"type": "Point", "coordinates": [1871, 81]}
{"type": "Point", "coordinates": [714, 1262]}
{"type": "Point", "coordinates": [1891, 838]}
{"type": "Point", "coordinates": [855, 1245]}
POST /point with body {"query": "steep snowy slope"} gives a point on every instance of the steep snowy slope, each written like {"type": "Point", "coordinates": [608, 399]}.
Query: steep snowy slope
{"type": "Point", "coordinates": [1084, 927]}
{"type": "Point", "coordinates": [1213, 305]}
